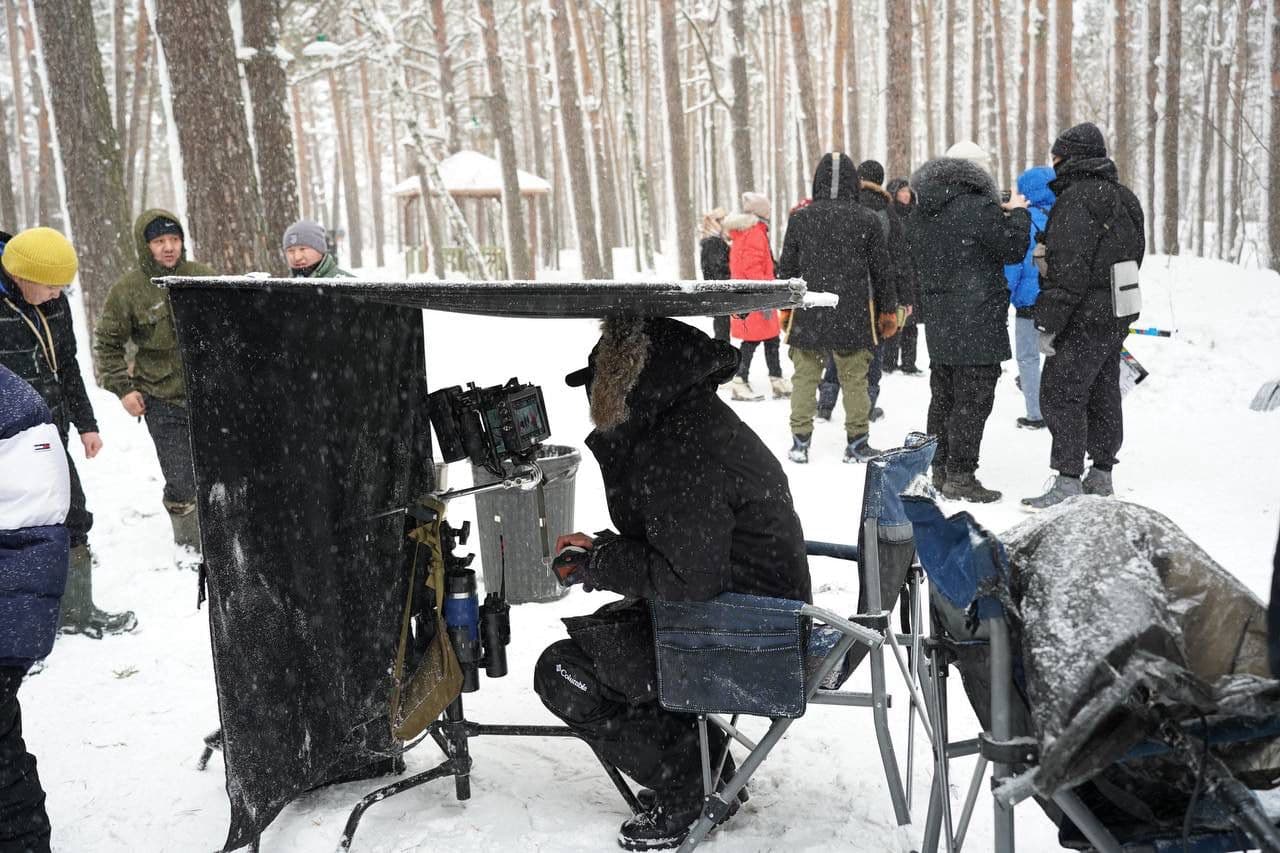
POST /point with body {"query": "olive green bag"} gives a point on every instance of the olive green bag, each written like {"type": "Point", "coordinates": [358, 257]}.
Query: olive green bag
{"type": "Point", "coordinates": [437, 681]}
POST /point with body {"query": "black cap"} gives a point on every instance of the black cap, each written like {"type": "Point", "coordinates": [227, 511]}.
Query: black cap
{"type": "Point", "coordinates": [160, 226]}
{"type": "Point", "coordinates": [1083, 140]}
{"type": "Point", "coordinates": [871, 171]}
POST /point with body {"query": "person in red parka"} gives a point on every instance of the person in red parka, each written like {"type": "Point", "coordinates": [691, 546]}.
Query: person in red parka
{"type": "Point", "coordinates": [751, 258]}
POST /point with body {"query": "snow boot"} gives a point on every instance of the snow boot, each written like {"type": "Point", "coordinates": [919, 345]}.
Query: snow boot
{"type": "Point", "coordinates": [858, 450]}
{"type": "Point", "coordinates": [741, 389]}
{"type": "Point", "coordinates": [967, 487]}
{"type": "Point", "coordinates": [662, 827]}
{"type": "Point", "coordinates": [877, 414]}
{"type": "Point", "coordinates": [781, 387]}
{"type": "Point", "coordinates": [1031, 423]}
{"type": "Point", "coordinates": [1098, 483]}
{"type": "Point", "coordinates": [185, 521]}
{"type": "Point", "coordinates": [1063, 487]}
{"type": "Point", "coordinates": [79, 614]}
{"type": "Point", "coordinates": [911, 371]}
{"type": "Point", "coordinates": [823, 415]}
{"type": "Point", "coordinates": [799, 451]}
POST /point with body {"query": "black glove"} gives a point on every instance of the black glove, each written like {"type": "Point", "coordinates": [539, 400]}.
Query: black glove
{"type": "Point", "coordinates": [571, 564]}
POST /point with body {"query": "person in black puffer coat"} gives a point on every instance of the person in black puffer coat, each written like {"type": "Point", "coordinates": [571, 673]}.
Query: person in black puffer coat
{"type": "Point", "coordinates": [713, 252]}
{"type": "Point", "coordinates": [837, 246]}
{"type": "Point", "coordinates": [1096, 222]}
{"type": "Point", "coordinates": [900, 350]}
{"type": "Point", "coordinates": [961, 238]}
{"type": "Point", "coordinates": [701, 507]}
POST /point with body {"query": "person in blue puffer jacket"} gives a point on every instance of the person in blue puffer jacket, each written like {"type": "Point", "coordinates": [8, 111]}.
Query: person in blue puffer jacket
{"type": "Point", "coordinates": [1024, 287]}
{"type": "Point", "coordinates": [35, 494]}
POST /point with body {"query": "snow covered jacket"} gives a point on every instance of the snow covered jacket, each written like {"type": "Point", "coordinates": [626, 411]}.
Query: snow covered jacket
{"type": "Point", "coordinates": [35, 493]}
{"type": "Point", "coordinates": [1096, 222]}
{"type": "Point", "coordinates": [751, 258]}
{"type": "Point", "coordinates": [837, 246]}
{"type": "Point", "coordinates": [961, 240]}
{"type": "Point", "coordinates": [700, 504]}
{"type": "Point", "coordinates": [38, 343]}
{"type": "Point", "coordinates": [138, 311]}
{"type": "Point", "coordinates": [876, 198]}
{"type": "Point", "coordinates": [1024, 278]}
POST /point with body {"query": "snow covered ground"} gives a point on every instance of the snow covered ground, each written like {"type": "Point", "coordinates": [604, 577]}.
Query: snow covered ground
{"type": "Point", "coordinates": [117, 724]}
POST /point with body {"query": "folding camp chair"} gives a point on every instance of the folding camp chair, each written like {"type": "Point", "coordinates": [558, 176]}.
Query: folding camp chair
{"type": "Point", "coordinates": [967, 566]}
{"type": "Point", "coordinates": [768, 657]}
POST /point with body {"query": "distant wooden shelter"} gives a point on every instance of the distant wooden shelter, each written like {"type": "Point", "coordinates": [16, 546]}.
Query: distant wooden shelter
{"type": "Point", "coordinates": [475, 183]}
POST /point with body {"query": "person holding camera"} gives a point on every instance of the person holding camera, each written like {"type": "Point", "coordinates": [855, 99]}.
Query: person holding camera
{"type": "Point", "coordinates": [35, 494]}
{"type": "Point", "coordinates": [961, 237]}
{"type": "Point", "coordinates": [701, 507]}
{"type": "Point", "coordinates": [1094, 234]}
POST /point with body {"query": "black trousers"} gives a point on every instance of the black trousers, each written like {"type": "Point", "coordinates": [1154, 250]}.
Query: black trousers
{"type": "Point", "coordinates": [772, 357]}
{"type": "Point", "coordinates": [24, 825]}
{"type": "Point", "coordinates": [900, 350]}
{"type": "Point", "coordinates": [171, 433]}
{"type": "Point", "coordinates": [961, 398]}
{"type": "Point", "coordinates": [79, 519]}
{"type": "Point", "coordinates": [1080, 399]}
{"type": "Point", "coordinates": [657, 748]}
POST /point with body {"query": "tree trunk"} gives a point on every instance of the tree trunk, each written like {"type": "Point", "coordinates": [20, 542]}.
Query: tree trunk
{"type": "Point", "coordinates": [8, 206]}
{"type": "Point", "coordinates": [303, 158]}
{"type": "Point", "coordinates": [448, 97]}
{"type": "Point", "coordinates": [89, 148]}
{"type": "Point", "coordinates": [1206, 141]}
{"type": "Point", "coordinates": [1121, 127]}
{"type": "Point", "coordinates": [1020, 146]}
{"type": "Point", "coordinates": [899, 100]}
{"type": "Point", "coordinates": [1234, 188]}
{"type": "Point", "coordinates": [740, 115]}
{"type": "Point", "coordinates": [949, 77]}
{"type": "Point", "coordinates": [153, 84]}
{"type": "Point", "coordinates": [225, 217]}
{"type": "Point", "coordinates": [19, 110]}
{"type": "Point", "coordinates": [575, 143]}
{"type": "Point", "coordinates": [1223, 78]}
{"type": "Point", "coordinates": [1273, 148]}
{"type": "Point", "coordinates": [975, 69]}
{"type": "Point", "coordinates": [47, 209]}
{"type": "Point", "coordinates": [373, 157]}
{"type": "Point", "coordinates": [118, 41]}
{"type": "Point", "coordinates": [1064, 82]}
{"type": "Point", "coordinates": [804, 82]}
{"type": "Point", "coordinates": [678, 144]}
{"type": "Point", "coordinates": [639, 176]}
{"type": "Point", "coordinates": [141, 84]}
{"type": "Point", "coordinates": [839, 87]}
{"type": "Point", "coordinates": [1007, 172]}
{"type": "Point", "coordinates": [927, 66]}
{"type": "Point", "coordinates": [1154, 28]}
{"type": "Point", "coordinates": [268, 89]}
{"type": "Point", "coordinates": [854, 135]}
{"type": "Point", "coordinates": [1040, 82]}
{"type": "Point", "coordinates": [1169, 143]}
{"type": "Point", "coordinates": [606, 196]}
{"type": "Point", "coordinates": [347, 163]}
{"type": "Point", "coordinates": [530, 20]}
{"type": "Point", "coordinates": [518, 264]}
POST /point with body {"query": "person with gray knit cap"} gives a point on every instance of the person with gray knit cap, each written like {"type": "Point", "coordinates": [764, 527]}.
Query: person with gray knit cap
{"type": "Point", "coordinates": [307, 251]}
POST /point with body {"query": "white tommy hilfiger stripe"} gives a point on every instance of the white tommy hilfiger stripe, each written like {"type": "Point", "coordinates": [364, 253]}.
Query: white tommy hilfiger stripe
{"type": "Point", "coordinates": [35, 489]}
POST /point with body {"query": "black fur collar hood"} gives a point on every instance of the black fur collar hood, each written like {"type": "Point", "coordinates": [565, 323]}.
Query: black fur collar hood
{"type": "Point", "coordinates": [940, 180]}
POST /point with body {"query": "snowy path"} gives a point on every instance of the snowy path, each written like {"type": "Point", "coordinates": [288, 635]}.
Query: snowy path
{"type": "Point", "coordinates": [117, 725]}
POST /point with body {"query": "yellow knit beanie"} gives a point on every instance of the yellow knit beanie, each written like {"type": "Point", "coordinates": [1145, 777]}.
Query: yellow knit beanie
{"type": "Point", "coordinates": [41, 255]}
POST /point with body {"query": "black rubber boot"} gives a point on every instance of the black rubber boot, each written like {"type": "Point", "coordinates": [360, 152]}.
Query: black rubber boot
{"type": "Point", "coordinates": [79, 614]}
{"type": "Point", "coordinates": [967, 487]}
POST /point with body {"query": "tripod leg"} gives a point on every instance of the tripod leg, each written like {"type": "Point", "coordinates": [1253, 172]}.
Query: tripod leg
{"type": "Point", "coordinates": [212, 741]}
{"type": "Point", "coordinates": [456, 733]}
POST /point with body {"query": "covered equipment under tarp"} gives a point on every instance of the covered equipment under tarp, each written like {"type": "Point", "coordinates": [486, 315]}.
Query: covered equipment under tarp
{"type": "Point", "coordinates": [1114, 610]}
{"type": "Point", "coordinates": [310, 435]}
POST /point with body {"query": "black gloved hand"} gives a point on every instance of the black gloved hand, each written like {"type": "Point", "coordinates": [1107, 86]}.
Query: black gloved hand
{"type": "Point", "coordinates": [571, 564]}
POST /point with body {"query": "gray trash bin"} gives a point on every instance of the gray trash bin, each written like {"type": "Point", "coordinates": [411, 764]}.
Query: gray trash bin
{"type": "Point", "coordinates": [509, 532]}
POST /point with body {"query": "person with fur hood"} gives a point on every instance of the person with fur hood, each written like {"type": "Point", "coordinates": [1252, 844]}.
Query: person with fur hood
{"type": "Point", "coordinates": [837, 246]}
{"type": "Point", "coordinates": [713, 254]}
{"type": "Point", "coordinates": [961, 238]}
{"type": "Point", "coordinates": [701, 507]}
{"type": "Point", "coordinates": [750, 257]}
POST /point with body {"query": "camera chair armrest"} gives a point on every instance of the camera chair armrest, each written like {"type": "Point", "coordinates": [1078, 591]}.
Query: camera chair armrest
{"type": "Point", "coordinates": [867, 636]}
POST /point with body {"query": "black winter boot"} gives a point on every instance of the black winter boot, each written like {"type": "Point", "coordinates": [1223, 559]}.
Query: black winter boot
{"type": "Point", "coordinates": [858, 450]}
{"type": "Point", "coordinates": [799, 451]}
{"type": "Point", "coordinates": [967, 487]}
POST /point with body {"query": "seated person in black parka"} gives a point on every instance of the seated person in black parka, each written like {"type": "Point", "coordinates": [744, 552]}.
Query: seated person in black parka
{"type": "Point", "coordinates": [702, 507]}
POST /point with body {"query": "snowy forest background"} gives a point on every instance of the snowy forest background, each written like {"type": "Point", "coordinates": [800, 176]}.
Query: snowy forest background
{"type": "Point", "coordinates": [640, 114]}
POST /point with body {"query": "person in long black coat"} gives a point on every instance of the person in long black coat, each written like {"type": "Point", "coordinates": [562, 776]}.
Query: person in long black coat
{"type": "Point", "coordinates": [900, 350]}
{"type": "Point", "coordinates": [837, 246]}
{"type": "Point", "coordinates": [713, 253]}
{"type": "Point", "coordinates": [1096, 222]}
{"type": "Point", "coordinates": [701, 507]}
{"type": "Point", "coordinates": [961, 238]}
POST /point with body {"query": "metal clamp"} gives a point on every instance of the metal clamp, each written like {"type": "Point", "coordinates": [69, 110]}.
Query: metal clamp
{"type": "Point", "coordinates": [1018, 752]}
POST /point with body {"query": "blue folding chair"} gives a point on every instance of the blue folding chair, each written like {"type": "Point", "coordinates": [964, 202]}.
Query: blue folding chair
{"type": "Point", "coordinates": [968, 569]}
{"type": "Point", "coordinates": [747, 655]}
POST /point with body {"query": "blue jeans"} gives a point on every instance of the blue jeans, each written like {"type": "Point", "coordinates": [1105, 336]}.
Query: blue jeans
{"type": "Point", "coordinates": [1027, 343]}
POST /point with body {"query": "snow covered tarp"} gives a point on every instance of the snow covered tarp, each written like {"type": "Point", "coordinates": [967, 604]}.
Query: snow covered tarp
{"type": "Point", "coordinates": [551, 299]}
{"type": "Point", "coordinates": [308, 430]}
{"type": "Point", "coordinates": [1112, 608]}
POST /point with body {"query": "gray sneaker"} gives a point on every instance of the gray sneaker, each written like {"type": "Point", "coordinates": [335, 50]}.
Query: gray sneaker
{"type": "Point", "coordinates": [1098, 483]}
{"type": "Point", "coordinates": [1063, 487]}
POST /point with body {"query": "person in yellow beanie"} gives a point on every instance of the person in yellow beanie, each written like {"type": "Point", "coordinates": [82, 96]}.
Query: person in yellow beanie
{"type": "Point", "coordinates": [37, 342]}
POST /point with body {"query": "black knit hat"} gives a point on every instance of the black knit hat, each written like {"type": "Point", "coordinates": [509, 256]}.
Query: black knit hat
{"type": "Point", "coordinates": [160, 226]}
{"type": "Point", "coordinates": [871, 171]}
{"type": "Point", "coordinates": [1083, 140]}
